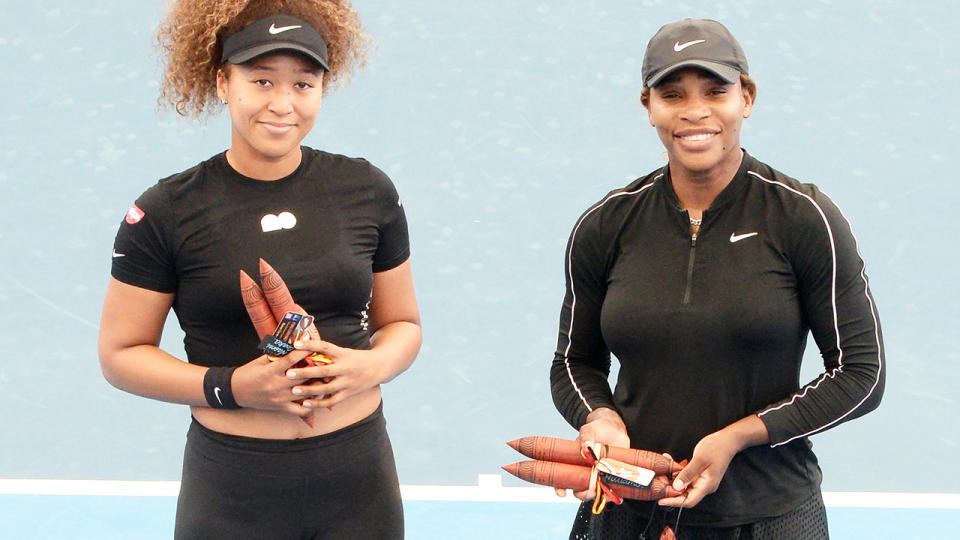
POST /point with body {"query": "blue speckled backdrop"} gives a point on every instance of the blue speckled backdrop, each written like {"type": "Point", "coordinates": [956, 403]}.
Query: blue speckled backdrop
{"type": "Point", "coordinates": [499, 121]}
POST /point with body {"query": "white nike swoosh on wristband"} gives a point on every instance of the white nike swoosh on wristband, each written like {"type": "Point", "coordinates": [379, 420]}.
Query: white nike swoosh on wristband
{"type": "Point", "coordinates": [734, 237]}
{"type": "Point", "coordinates": [679, 47]}
{"type": "Point", "coordinates": [276, 30]}
{"type": "Point", "coordinates": [216, 393]}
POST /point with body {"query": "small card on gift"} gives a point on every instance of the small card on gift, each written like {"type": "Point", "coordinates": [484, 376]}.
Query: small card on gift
{"type": "Point", "coordinates": [292, 326]}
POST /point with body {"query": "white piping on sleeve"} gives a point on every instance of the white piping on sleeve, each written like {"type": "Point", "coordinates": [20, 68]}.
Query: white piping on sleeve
{"type": "Point", "coordinates": [833, 299]}
{"type": "Point", "coordinates": [573, 293]}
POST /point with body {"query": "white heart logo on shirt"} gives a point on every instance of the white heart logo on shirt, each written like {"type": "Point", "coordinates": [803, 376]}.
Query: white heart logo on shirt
{"type": "Point", "coordinates": [275, 222]}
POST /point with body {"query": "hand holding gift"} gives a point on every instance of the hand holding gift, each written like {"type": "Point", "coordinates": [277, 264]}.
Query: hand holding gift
{"type": "Point", "coordinates": [614, 472]}
{"type": "Point", "coordinates": [278, 320]}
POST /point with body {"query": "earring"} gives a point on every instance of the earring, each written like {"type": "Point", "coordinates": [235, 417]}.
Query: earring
{"type": "Point", "coordinates": [223, 101]}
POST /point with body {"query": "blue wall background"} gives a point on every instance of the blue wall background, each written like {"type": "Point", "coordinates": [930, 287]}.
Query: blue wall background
{"type": "Point", "coordinates": [499, 121]}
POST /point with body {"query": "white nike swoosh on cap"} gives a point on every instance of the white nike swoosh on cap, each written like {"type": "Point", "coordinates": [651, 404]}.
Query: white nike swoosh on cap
{"type": "Point", "coordinates": [679, 47]}
{"type": "Point", "coordinates": [115, 254]}
{"type": "Point", "coordinates": [734, 237]}
{"type": "Point", "coordinates": [276, 30]}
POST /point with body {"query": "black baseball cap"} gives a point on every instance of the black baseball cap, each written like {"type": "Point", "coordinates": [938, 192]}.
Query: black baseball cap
{"type": "Point", "coordinates": [275, 33]}
{"type": "Point", "coordinates": [700, 43]}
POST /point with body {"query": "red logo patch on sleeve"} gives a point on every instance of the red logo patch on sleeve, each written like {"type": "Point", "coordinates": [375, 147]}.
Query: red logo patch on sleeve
{"type": "Point", "coordinates": [134, 214]}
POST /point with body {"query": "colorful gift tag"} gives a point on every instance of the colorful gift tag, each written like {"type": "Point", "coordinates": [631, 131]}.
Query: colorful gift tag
{"type": "Point", "coordinates": [291, 328]}
{"type": "Point", "coordinates": [624, 474]}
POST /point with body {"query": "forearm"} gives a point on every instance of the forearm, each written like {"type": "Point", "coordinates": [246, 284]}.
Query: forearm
{"type": "Point", "coordinates": [833, 398]}
{"type": "Point", "coordinates": [394, 348]}
{"type": "Point", "coordinates": [746, 432]}
{"type": "Point", "coordinates": [148, 371]}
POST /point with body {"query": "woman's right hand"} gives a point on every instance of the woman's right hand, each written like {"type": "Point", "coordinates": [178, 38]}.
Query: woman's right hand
{"type": "Point", "coordinates": [264, 384]}
{"type": "Point", "coordinates": [603, 426]}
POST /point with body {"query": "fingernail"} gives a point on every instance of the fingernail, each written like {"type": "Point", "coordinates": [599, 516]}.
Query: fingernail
{"type": "Point", "coordinates": [298, 344]}
{"type": "Point", "coordinates": [678, 485]}
{"type": "Point", "coordinates": [292, 374]}
{"type": "Point", "coordinates": [307, 404]}
{"type": "Point", "coordinates": [298, 391]}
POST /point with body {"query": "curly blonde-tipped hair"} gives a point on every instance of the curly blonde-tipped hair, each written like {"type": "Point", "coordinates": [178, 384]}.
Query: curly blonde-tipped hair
{"type": "Point", "coordinates": [191, 40]}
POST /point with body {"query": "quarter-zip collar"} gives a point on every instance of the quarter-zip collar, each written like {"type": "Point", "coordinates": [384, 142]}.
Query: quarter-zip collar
{"type": "Point", "coordinates": [724, 199]}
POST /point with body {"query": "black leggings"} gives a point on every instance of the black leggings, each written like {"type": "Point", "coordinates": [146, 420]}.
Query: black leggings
{"type": "Point", "coordinates": [339, 485]}
{"type": "Point", "coordinates": [806, 522]}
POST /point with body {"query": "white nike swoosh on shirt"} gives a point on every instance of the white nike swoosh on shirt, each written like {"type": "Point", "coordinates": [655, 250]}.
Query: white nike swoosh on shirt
{"type": "Point", "coordinates": [734, 237]}
{"type": "Point", "coordinates": [679, 47]}
{"type": "Point", "coordinates": [276, 30]}
{"type": "Point", "coordinates": [216, 393]}
{"type": "Point", "coordinates": [115, 255]}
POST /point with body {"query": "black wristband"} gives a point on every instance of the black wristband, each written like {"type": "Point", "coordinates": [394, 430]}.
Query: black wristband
{"type": "Point", "coordinates": [217, 388]}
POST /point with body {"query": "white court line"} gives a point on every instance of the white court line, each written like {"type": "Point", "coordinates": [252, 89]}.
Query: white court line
{"type": "Point", "coordinates": [121, 488]}
{"type": "Point", "coordinates": [488, 489]}
{"type": "Point", "coordinates": [873, 499]}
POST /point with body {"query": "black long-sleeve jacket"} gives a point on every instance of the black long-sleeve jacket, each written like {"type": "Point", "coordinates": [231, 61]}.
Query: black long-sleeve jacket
{"type": "Point", "coordinates": [711, 328]}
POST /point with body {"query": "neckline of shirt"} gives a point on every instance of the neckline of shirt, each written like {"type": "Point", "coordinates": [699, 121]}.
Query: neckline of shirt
{"type": "Point", "coordinates": [724, 198]}
{"type": "Point", "coordinates": [235, 176]}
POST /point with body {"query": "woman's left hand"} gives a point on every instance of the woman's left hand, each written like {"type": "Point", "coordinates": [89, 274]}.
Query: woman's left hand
{"type": "Point", "coordinates": [703, 474]}
{"type": "Point", "coordinates": [712, 456]}
{"type": "Point", "coordinates": [352, 371]}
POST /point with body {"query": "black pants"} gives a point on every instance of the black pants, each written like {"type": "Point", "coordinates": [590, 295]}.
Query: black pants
{"type": "Point", "coordinates": [806, 522]}
{"type": "Point", "coordinates": [339, 485]}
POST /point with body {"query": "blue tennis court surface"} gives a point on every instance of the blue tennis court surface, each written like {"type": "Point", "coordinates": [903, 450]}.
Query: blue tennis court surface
{"type": "Point", "coordinates": [28, 517]}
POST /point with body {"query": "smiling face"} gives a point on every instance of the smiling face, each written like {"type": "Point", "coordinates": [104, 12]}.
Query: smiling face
{"type": "Point", "coordinates": [698, 119]}
{"type": "Point", "coordinates": [273, 102]}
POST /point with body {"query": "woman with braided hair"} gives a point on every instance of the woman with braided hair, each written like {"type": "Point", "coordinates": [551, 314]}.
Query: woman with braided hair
{"type": "Point", "coordinates": [332, 227]}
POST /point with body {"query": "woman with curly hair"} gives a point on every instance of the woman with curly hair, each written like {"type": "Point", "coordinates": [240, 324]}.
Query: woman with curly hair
{"type": "Point", "coordinates": [332, 227]}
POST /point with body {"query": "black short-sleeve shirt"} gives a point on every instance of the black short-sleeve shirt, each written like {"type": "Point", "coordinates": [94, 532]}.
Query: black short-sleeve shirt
{"type": "Point", "coordinates": [326, 228]}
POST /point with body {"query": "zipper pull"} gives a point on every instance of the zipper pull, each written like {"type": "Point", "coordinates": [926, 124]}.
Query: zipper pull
{"type": "Point", "coordinates": [693, 240]}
